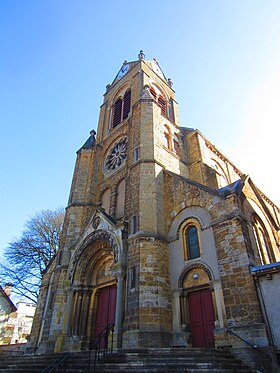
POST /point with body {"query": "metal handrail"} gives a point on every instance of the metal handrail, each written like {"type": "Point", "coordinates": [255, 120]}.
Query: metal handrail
{"type": "Point", "coordinates": [12, 352]}
{"type": "Point", "coordinates": [56, 364]}
{"type": "Point", "coordinates": [255, 347]}
{"type": "Point", "coordinates": [101, 338]}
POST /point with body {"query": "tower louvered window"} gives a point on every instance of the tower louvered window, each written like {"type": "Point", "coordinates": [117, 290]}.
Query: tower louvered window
{"type": "Point", "coordinates": [160, 100]}
{"type": "Point", "coordinates": [122, 108]}
{"type": "Point", "coordinates": [126, 104]}
{"type": "Point", "coordinates": [117, 112]}
{"type": "Point", "coordinates": [162, 104]}
{"type": "Point", "coordinates": [153, 93]}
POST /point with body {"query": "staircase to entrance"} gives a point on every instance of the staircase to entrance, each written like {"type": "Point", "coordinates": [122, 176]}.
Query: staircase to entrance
{"type": "Point", "coordinates": [137, 361]}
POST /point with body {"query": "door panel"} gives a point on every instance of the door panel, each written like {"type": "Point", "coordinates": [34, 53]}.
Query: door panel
{"type": "Point", "coordinates": [106, 308]}
{"type": "Point", "coordinates": [209, 316]}
{"type": "Point", "coordinates": [202, 318]}
{"type": "Point", "coordinates": [196, 320]}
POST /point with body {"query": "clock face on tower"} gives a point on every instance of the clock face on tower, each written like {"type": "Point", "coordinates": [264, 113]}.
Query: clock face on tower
{"type": "Point", "coordinates": [116, 156]}
{"type": "Point", "coordinates": [157, 69]}
{"type": "Point", "coordinates": [123, 71]}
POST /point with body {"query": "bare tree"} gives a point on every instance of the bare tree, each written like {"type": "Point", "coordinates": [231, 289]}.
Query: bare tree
{"type": "Point", "coordinates": [26, 258]}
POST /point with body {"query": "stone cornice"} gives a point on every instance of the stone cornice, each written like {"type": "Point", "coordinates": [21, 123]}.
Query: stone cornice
{"type": "Point", "coordinates": [77, 203]}
{"type": "Point", "coordinates": [230, 216]}
{"type": "Point", "coordinates": [142, 234]}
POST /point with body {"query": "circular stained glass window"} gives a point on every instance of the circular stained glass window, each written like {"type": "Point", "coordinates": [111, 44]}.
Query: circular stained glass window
{"type": "Point", "coordinates": [117, 155]}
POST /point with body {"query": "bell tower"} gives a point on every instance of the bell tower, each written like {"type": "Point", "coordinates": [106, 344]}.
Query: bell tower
{"type": "Point", "coordinates": [138, 136]}
{"type": "Point", "coordinates": [121, 172]}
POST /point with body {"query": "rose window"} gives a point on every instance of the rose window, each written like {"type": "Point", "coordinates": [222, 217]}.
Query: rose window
{"type": "Point", "coordinates": [117, 155]}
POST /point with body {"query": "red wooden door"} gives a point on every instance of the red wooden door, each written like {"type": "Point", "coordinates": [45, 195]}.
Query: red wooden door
{"type": "Point", "coordinates": [106, 308]}
{"type": "Point", "coordinates": [202, 318]}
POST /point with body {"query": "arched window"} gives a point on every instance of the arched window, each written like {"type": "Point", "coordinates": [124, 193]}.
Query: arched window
{"type": "Point", "coordinates": [167, 137]}
{"type": "Point", "coordinates": [222, 178]}
{"type": "Point", "coordinates": [105, 200]}
{"type": "Point", "coordinates": [192, 242]}
{"type": "Point", "coordinates": [170, 142]}
{"type": "Point", "coordinates": [122, 108]}
{"type": "Point", "coordinates": [262, 240]}
{"type": "Point", "coordinates": [120, 203]}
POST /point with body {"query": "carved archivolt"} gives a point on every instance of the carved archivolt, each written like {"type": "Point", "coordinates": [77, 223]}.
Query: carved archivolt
{"type": "Point", "coordinates": [190, 219]}
{"type": "Point", "coordinates": [193, 266]}
{"type": "Point", "coordinates": [98, 235]}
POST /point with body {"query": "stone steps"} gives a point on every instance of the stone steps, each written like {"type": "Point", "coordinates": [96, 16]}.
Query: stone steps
{"type": "Point", "coordinates": [170, 360]}
{"type": "Point", "coordinates": [27, 363]}
{"type": "Point", "coordinates": [132, 361]}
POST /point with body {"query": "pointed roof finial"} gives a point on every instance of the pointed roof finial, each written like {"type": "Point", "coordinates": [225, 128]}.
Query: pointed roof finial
{"type": "Point", "coordinates": [141, 55]}
{"type": "Point", "coordinates": [90, 143]}
{"type": "Point", "coordinates": [170, 83]}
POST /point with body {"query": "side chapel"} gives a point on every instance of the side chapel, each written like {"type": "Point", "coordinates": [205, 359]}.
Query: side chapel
{"type": "Point", "coordinates": [160, 233]}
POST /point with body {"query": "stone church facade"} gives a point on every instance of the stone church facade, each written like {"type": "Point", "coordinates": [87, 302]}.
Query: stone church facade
{"type": "Point", "coordinates": [160, 233]}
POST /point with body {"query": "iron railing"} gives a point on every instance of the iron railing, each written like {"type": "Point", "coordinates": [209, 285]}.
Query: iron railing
{"type": "Point", "coordinates": [12, 352]}
{"type": "Point", "coordinates": [255, 347]}
{"type": "Point", "coordinates": [100, 345]}
{"type": "Point", "coordinates": [57, 364]}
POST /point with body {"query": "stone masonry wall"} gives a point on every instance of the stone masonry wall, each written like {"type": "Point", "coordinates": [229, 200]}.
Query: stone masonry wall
{"type": "Point", "coordinates": [238, 287]}
{"type": "Point", "coordinates": [207, 164]}
{"type": "Point", "coordinates": [148, 310]}
{"type": "Point", "coordinates": [232, 245]}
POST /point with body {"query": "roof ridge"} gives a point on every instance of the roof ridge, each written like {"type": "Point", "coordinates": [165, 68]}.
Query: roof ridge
{"type": "Point", "coordinates": [197, 184]}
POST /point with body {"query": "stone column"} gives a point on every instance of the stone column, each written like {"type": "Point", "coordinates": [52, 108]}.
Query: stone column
{"type": "Point", "coordinates": [85, 312]}
{"type": "Point", "coordinates": [67, 327]}
{"type": "Point", "coordinates": [218, 298]}
{"type": "Point", "coordinates": [179, 333]}
{"type": "Point", "coordinates": [73, 306]}
{"type": "Point", "coordinates": [176, 311]}
{"type": "Point", "coordinates": [119, 273]}
{"type": "Point", "coordinates": [45, 311]}
{"type": "Point", "coordinates": [221, 336]}
{"type": "Point", "coordinates": [78, 313]}
{"type": "Point", "coordinates": [68, 316]}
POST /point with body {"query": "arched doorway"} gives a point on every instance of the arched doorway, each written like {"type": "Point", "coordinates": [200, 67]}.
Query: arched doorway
{"type": "Point", "coordinates": [94, 292]}
{"type": "Point", "coordinates": [197, 307]}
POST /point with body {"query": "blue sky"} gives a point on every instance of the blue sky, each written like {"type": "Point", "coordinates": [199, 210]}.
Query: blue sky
{"type": "Point", "coordinates": [57, 56]}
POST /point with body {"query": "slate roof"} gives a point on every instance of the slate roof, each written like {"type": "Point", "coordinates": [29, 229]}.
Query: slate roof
{"type": "Point", "coordinates": [90, 143]}
{"type": "Point", "coordinates": [4, 295]}
{"type": "Point", "coordinates": [266, 268]}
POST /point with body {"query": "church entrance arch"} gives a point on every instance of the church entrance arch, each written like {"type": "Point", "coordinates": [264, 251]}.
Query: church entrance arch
{"type": "Point", "coordinates": [94, 292]}
{"type": "Point", "coordinates": [197, 307]}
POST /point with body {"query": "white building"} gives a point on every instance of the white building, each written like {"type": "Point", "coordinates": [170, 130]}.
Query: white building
{"type": "Point", "coordinates": [23, 322]}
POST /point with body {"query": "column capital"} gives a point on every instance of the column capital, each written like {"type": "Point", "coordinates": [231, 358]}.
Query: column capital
{"type": "Point", "coordinates": [118, 271]}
